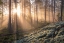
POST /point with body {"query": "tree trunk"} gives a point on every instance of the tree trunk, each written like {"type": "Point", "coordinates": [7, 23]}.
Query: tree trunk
{"type": "Point", "coordinates": [54, 11]}
{"type": "Point", "coordinates": [62, 9]}
{"type": "Point", "coordinates": [9, 24]}
{"type": "Point", "coordinates": [45, 9]}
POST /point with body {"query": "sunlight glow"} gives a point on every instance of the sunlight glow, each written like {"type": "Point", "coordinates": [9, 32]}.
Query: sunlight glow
{"type": "Point", "coordinates": [17, 10]}
{"type": "Point", "coordinates": [6, 12]}
{"type": "Point", "coordinates": [14, 10]}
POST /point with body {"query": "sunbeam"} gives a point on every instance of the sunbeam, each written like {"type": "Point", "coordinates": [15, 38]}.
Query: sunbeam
{"type": "Point", "coordinates": [17, 10]}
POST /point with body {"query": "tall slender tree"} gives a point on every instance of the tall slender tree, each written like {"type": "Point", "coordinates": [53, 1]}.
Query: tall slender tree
{"type": "Point", "coordinates": [54, 11]}
{"type": "Point", "coordinates": [9, 24]}
{"type": "Point", "coordinates": [62, 8]}
{"type": "Point", "coordinates": [45, 9]}
{"type": "Point", "coordinates": [1, 11]}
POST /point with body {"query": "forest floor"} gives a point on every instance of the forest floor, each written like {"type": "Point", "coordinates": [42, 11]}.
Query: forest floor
{"type": "Point", "coordinates": [53, 33]}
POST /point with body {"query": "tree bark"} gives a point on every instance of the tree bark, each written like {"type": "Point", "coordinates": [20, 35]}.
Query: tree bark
{"type": "Point", "coordinates": [62, 9]}
{"type": "Point", "coordinates": [9, 24]}
{"type": "Point", "coordinates": [45, 9]}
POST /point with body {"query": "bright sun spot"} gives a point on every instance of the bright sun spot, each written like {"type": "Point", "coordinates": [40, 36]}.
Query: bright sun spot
{"type": "Point", "coordinates": [17, 10]}
{"type": "Point", "coordinates": [14, 10]}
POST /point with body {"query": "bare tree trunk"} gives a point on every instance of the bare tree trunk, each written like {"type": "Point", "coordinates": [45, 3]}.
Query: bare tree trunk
{"type": "Point", "coordinates": [30, 13]}
{"type": "Point", "coordinates": [54, 11]}
{"type": "Point", "coordinates": [22, 2]}
{"type": "Point", "coordinates": [37, 13]}
{"type": "Point", "coordinates": [45, 9]}
{"type": "Point", "coordinates": [62, 8]}
{"type": "Point", "coordinates": [49, 12]}
{"type": "Point", "coordinates": [9, 24]}
{"type": "Point", "coordinates": [2, 16]}
{"type": "Point", "coordinates": [15, 25]}
{"type": "Point", "coordinates": [24, 8]}
{"type": "Point", "coordinates": [34, 14]}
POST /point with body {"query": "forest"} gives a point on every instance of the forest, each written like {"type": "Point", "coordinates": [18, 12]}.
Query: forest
{"type": "Point", "coordinates": [31, 21]}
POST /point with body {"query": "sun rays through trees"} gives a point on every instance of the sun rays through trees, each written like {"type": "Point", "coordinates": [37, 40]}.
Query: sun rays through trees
{"type": "Point", "coordinates": [27, 15]}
